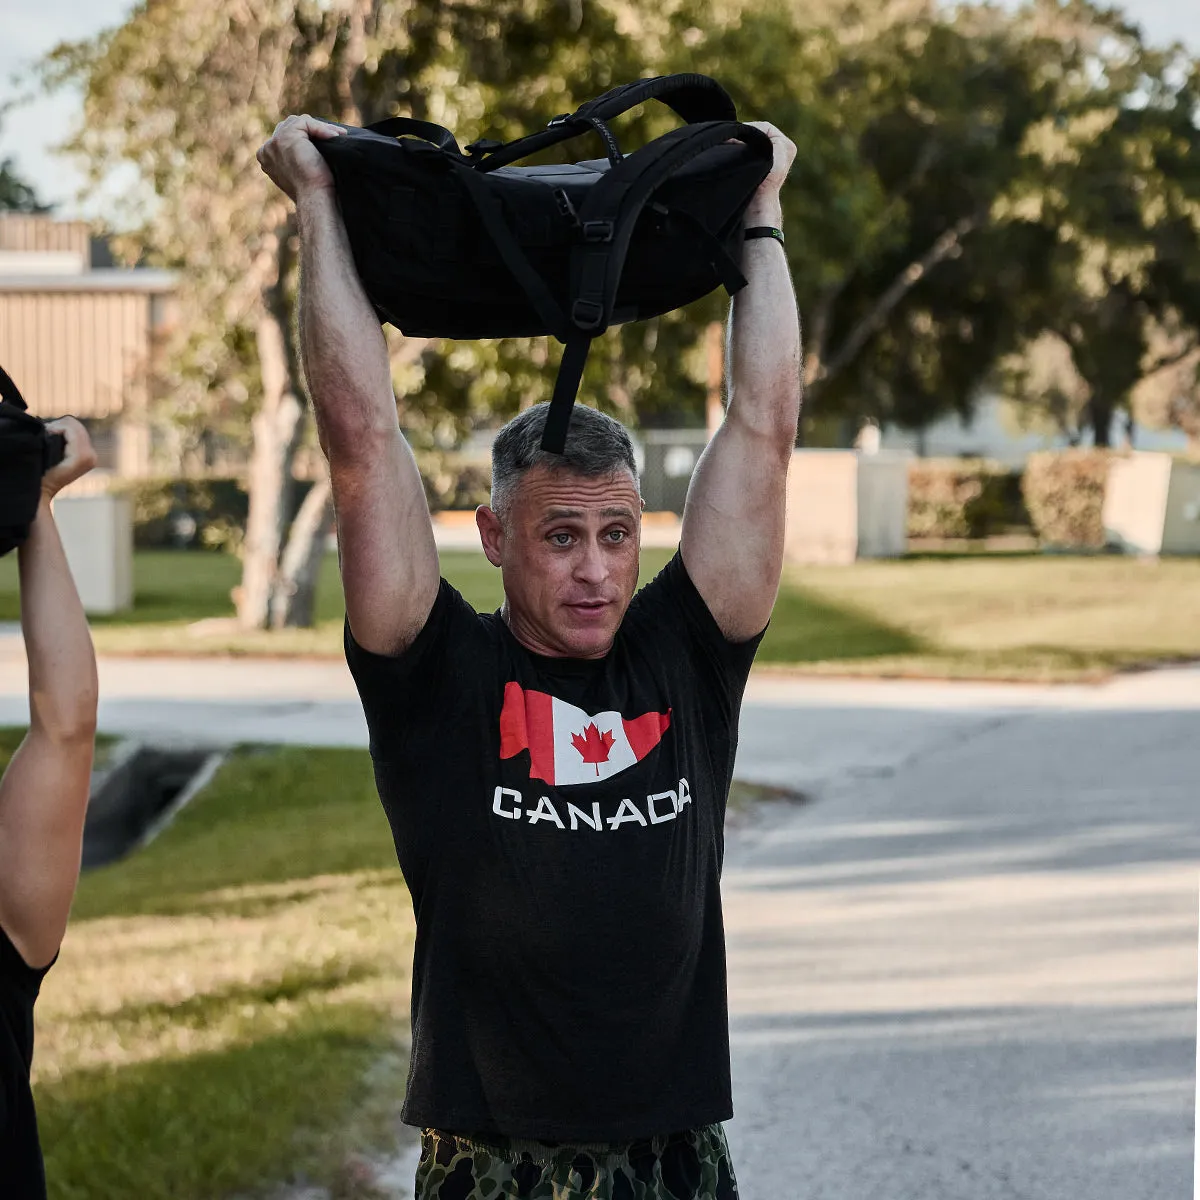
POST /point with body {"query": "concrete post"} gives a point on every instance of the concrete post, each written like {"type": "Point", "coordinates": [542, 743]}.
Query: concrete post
{"type": "Point", "coordinates": [97, 535]}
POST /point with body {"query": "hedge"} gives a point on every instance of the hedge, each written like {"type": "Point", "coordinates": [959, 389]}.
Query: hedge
{"type": "Point", "coordinates": [962, 498]}
{"type": "Point", "coordinates": [211, 513]}
{"type": "Point", "coordinates": [187, 512]}
{"type": "Point", "coordinates": [1064, 492]}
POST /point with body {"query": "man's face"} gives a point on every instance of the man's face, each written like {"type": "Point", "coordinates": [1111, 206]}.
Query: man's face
{"type": "Point", "coordinates": [568, 550]}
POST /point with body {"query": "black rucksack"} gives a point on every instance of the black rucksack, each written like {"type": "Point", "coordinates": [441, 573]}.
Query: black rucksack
{"type": "Point", "coordinates": [464, 245]}
{"type": "Point", "coordinates": [27, 452]}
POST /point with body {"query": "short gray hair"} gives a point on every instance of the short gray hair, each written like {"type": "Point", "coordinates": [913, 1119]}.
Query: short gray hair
{"type": "Point", "coordinates": [596, 445]}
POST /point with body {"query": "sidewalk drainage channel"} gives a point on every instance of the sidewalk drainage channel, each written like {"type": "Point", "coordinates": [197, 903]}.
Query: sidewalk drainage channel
{"type": "Point", "coordinates": [138, 794]}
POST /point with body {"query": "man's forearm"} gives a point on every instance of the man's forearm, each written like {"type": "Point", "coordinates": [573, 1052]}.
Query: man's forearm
{"type": "Point", "coordinates": [764, 339]}
{"type": "Point", "coordinates": [62, 664]}
{"type": "Point", "coordinates": [343, 348]}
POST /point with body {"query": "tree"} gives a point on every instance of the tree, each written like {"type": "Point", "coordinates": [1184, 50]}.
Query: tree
{"type": "Point", "coordinates": [1114, 185]}
{"type": "Point", "coordinates": [907, 140]}
{"type": "Point", "coordinates": [15, 194]}
{"type": "Point", "coordinates": [186, 93]}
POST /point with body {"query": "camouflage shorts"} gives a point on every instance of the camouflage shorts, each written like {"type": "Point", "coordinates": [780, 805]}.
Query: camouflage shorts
{"type": "Point", "coordinates": [680, 1166]}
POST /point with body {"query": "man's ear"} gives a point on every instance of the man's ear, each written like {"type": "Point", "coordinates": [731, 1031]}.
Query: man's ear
{"type": "Point", "coordinates": [491, 534]}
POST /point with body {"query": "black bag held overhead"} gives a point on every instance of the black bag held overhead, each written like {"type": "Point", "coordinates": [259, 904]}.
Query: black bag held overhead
{"type": "Point", "coordinates": [465, 245]}
{"type": "Point", "coordinates": [27, 452]}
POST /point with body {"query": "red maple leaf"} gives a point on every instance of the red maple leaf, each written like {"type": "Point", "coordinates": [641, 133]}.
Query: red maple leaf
{"type": "Point", "coordinates": [593, 746]}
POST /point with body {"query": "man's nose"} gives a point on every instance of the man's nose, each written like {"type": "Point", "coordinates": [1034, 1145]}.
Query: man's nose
{"type": "Point", "coordinates": [590, 566]}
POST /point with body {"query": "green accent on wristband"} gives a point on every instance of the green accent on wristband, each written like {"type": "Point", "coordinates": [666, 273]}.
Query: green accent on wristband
{"type": "Point", "coordinates": [765, 231]}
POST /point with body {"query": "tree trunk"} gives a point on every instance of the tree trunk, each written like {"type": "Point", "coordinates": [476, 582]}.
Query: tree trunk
{"type": "Point", "coordinates": [277, 428]}
{"type": "Point", "coordinates": [293, 601]}
{"type": "Point", "coordinates": [1101, 409]}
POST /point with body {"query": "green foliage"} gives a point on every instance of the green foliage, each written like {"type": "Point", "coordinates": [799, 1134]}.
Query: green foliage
{"type": "Point", "coordinates": [966, 181]}
{"type": "Point", "coordinates": [209, 513]}
{"type": "Point", "coordinates": [962, 498]}
{"type": "Point", "coordinates": [1064, 493]}
{"type": "Point", "coordinates": [15, 194]}
{"type": "Point", "coordinates": [453, 483]}
{"type": "Point", "coordinates": [1113, 185]}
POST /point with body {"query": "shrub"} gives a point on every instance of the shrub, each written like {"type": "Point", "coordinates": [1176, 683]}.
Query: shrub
{"type": "Point", "coordinates": [1064, 492]}
{"type": "Point", "coordinates": [186, 512]}
{"type": "Point", "coordinates": [962, 498]}
{"type": "Point", "coordinates": [453, 483]}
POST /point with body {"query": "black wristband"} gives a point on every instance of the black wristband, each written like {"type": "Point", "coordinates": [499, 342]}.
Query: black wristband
{"type": "Point", "coordinates": [765, 231]}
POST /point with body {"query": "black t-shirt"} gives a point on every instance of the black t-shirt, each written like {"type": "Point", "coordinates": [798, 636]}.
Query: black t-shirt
{"type": "Point", "coordinates": [21, 1174]}
{"type": "Point", "coordinates": [560, 826]}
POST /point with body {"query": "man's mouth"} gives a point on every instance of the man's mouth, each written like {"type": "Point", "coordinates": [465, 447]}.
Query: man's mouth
{"type": "Point", "coordinates": [587, 608]}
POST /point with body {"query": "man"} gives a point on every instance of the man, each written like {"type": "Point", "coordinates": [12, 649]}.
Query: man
{"type": "Point", "coordinates": [43, 799]}
{"type": "Point", "coordinates": [556, 774]}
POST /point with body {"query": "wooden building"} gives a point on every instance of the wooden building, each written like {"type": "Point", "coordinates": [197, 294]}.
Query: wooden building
{"type": "Point", "coordinates": [79, 335]}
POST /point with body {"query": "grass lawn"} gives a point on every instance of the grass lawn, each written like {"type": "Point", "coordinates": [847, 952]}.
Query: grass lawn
{"type": "Point", "coordinates": [1010, 616]}
{"type": "Point", "coordinates": [228, 1008]}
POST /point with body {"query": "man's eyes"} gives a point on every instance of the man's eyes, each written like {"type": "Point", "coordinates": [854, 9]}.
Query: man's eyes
{"type": "Point", "coordinates": [563, 538]}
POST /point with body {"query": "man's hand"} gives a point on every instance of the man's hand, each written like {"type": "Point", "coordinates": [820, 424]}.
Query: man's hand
{"type": "Point", "coordinates": [78, 459]}
{"type": "Point", "coordinates": [289, 157]}
{"type": "Point", "coordinates": [765, 208]}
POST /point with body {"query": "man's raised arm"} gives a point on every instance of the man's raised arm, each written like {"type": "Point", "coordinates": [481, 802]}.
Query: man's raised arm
{"type": "Point", "coordinates": [732, 541]}
{"type": "Point", "coordinates": [44, 792]}
{"type": "Point", "coordinates": [388, 557]}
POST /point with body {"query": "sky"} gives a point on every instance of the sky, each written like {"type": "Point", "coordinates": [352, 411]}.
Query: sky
{"type": "Point", "coordinates": [29, 28]}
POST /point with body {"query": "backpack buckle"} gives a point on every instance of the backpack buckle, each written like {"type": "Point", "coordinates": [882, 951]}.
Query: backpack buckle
{"type": "Point", "coordinates": [587, 314]}
{"type": "Point", "coordinates": [598, 231]}
{"type": "Point", "coordinates": [483, 146]}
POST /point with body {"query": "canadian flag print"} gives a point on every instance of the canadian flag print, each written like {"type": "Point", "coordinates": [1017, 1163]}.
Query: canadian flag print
{"type": "Point", "coordinates": [567, 745]}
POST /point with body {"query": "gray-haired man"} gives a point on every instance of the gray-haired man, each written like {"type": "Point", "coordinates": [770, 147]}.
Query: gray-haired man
{"type": "Point", "coordinates": [556, 773]}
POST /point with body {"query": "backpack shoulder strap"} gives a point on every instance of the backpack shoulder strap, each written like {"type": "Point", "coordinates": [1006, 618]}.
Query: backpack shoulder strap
{"type": "Point", "coordinates": [491, 213]}
{"type": "Point", "coordinates": [607, 219]}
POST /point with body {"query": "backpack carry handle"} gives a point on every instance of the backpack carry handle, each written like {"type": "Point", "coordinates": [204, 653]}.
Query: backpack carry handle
{"type": "Point", "coordinates": [561, 129]}
{"type": "Point", "coordinates": [693, 97]}
{"type": "Point", "coordinates": [427, 131]}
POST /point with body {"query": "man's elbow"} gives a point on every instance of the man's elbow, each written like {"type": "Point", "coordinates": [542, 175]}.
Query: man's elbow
{"type": "Point", "coordinates": [773, 427]}
{"type": "Point", "coordinates": [70, 723]}
{"type": "Point", "coordinates": [354, 437]}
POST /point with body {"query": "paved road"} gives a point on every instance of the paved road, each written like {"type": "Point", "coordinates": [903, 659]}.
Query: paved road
{"type": "Point", "coordinates": [965, 969]}
{"type": "Point", "coordinates": [968, 968]}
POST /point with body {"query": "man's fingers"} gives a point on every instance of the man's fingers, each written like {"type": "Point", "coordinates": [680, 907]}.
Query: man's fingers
{"type": "Point", "coordinates": [315, 128]}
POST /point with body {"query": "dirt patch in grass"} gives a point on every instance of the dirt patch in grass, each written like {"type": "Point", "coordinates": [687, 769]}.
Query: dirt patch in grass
{"type": "Point", "coordinates": [748, 800]}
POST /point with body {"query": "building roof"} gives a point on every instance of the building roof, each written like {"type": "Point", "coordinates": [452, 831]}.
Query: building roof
{"type": "Point", "coordinates": [139, 279]}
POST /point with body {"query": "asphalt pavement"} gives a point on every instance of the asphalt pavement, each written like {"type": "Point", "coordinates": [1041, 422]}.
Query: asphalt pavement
{"type": "Point", "coordinates": [967, 968]}
{"type": "Point", "coordinates": [963, 968]}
